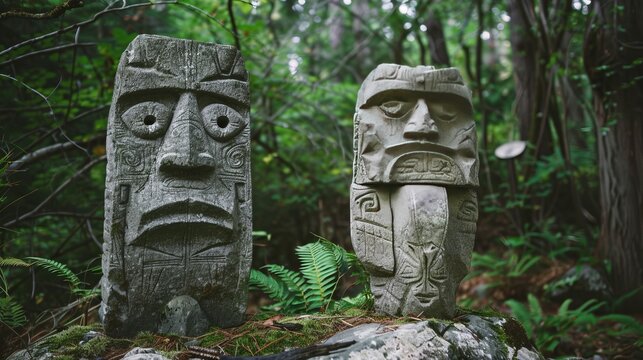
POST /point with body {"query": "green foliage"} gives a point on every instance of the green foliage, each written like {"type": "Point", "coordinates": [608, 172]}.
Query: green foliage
{"type": "Point", "coordinates": [547, 331]}
{"type": "Point", "coordinates": [626, 326]}
{"type": "Point", "coordinates": [58, 269]}
{"type": "Point", "coordinates": [512, 265]}
{"type": "Point", "coordinates": [322, 265]}
{"type": "Point", "coordinates": [12, 313]}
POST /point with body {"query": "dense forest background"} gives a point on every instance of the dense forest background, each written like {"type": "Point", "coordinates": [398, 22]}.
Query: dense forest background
{"type": "Point", "coordinates": [566, 77]}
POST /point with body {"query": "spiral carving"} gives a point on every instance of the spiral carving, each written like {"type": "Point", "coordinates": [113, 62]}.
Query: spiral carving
{"type": "Point", "coordinates": [369, 202]}
{"type": "Point", "coordinates": [236, 156]}
{"type": "Point", "coordinates": [132, 160]}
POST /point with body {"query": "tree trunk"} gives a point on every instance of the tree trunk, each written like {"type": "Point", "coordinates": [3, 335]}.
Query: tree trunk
{"type": "Point", "coordinates": [523, 53]}
{"type": "Point", "coordinates": [437, 43]}
{"type": "Point", "coordinates": [613, 53]}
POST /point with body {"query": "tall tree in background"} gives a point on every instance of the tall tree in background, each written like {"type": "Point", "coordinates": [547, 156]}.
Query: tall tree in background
{"type": "Point", "coordinates": [614, 63]}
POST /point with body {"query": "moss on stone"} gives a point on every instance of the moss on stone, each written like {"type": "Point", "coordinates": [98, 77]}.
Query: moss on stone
{"type": "Point", "coordinates": [70, 336]}
{"type": "Point", "coordinates": [515, 334]}
{"type": "Point", "coordinates": [255, 338]}
{"type": "Point", "coordinates": [96, 347]}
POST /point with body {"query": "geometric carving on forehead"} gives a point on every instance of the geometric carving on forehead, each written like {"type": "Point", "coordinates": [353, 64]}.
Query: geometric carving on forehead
{"type": "Point", "coordinates": [152, 61]}
{"type": "Point", "coordinates": [216, 61]}
{"type": "Point", "coordinates": [426, 79]}
{"type": "Point", "coordinates": [226, 59]}
{"type": "Point", "coordinates": [155, 53]}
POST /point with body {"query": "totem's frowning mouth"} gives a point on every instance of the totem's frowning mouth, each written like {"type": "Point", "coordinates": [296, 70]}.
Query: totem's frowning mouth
{"type": "Point", "coordinates": [191, 213]}
{"type": "Point", "coordinates": [418, 145]}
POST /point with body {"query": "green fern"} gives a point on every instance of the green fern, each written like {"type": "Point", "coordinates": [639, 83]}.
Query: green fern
{"type": "Point", "coordinates": [13, 262]}
{"type": "Point", "coordinates": [322, 265]}
{"type": "Point", "coordinates": [296, 299]}
{"type": "Point", "coordinates": [319, 267]}
{"type": "Point", "coordinates": [12, 313]}
{"type": "Point", "coordinates": [58, 269]}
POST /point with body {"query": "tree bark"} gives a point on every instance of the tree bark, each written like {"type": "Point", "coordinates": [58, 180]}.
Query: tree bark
{"type": "Point", "coordinates": [437, 44]}
{"type": "Point", "coordinates": [523, 53]}
{"type": "Point", "coordinates": [613, 54]}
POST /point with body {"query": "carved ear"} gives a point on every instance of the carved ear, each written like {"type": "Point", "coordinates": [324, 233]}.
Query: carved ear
{"type": "Point", "coordinates": [372, 229]}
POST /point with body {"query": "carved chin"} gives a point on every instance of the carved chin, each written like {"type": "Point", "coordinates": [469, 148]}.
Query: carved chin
{"type": "Point", "coordinates": [426, 303]}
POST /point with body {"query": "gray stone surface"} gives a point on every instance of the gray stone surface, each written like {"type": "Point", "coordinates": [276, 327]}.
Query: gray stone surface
{"type": "Point", "coordinates": [413, 199]}
{"type": "Point", "coordinates": [34, 352]}
{"type": "Point", "coordinates": [177, 199]}
{"type": "Point", "coordinates": [472, 337]}
{"type": "Point", "coordinates": [143, 354]}
{"type": "Point", "coordinates": [580, 283]}
{"type": "Point", "coordinates": [183, 315]}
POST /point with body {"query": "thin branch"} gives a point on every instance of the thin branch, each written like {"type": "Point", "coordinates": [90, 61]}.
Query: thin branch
{"type": "Point", "coordinates": [45, 51]}
{"type": "Point", "coordinates": [51, 14]}
{"type": "Point", "coordinates": [48, 151]}
{"type": "Point", "coordinates": [75, 26]}
{"type": "Point", "coordinates": [235, 32]}
{"type": "Point", "coordinates": [32, 90]}
{"type": "Point", "coordinates": [55, 193]}
{"type": "Point", "coordinates": [78, 117]}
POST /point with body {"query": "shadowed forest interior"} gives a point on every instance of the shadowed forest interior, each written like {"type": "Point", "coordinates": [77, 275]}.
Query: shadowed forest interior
{"type": "Point", "coordinates": [559, 243]}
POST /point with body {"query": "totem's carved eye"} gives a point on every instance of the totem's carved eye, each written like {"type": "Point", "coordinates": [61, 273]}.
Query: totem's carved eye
{"type": "Point", "coordinates": [147, 120]}
{"type": "Point", "coordinates": [396, 108]}
{"type": "Point", "coordinates": [445, 111]}
{"type": "Point", "coordinates": [222, 122]}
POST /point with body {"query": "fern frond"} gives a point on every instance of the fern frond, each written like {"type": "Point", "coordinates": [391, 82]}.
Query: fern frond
{"type": "Point", "coordinates": [276, 290]}
{"type": "Point", "coordinates": [86, 293]}
{"type": "Point", "coordinates": [11, 313]}
{"type": "Point", "coordinates": [319, 268]}
{"type": "Point", "coordinates": [363, 301]}
{"type": "Point", "coordinates": [58, 269]}
{"type": "Point", "coordinates": [295, 283]}
{"type": "Point", "coordinates": [13, 262]}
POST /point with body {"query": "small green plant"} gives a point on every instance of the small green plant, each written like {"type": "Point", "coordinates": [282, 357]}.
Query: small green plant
{"type": "Point", "coordinates": [513, 265]}
{"type": "Point", "coordinates": [12, 313]}
{"type": "Point", "coordinates": [547, 331]}
{"type": "Point", "coordinates": [323, 264]}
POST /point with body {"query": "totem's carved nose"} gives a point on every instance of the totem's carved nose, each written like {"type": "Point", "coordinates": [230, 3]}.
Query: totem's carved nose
{"type": "Point", "coordinates": [421, 126]}
{"type": "Point", "coordinates": [185, 146]}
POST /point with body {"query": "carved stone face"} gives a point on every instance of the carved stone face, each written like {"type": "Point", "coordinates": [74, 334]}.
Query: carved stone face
{"type": "Point", "coordinates": [178, 212]}
{"type": "Point", "coordinates": [413, 203]}
{"type": "Point", "coordinates": [182, 140]}
{"type": "Point", "coordinates": [414, 126]}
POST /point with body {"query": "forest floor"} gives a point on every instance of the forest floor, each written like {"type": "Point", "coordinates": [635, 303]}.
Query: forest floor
{"type": "Point", "coordinates": [267, 334]}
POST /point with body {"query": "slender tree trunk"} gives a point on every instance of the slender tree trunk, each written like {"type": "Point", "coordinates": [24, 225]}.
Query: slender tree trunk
{"type": "Point", "coordinates": [523, 53]}
{"type": "Point", "coordinates": [437, 43]}
{"type": "Point", "coordinates": [613, 53]}
{"type": "Point", "coordinates": [362, 62]}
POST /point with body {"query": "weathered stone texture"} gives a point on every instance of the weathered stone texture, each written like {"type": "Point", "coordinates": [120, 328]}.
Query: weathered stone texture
{"type": "Point", "coordinates": [473, 337]}
{"type": "Point", "coordinates": [413, 201]}
{"type": "Point", "coordinates": [177, 199]}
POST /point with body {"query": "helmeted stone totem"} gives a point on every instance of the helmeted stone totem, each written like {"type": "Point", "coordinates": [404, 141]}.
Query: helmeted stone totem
{"type": "Point", "coordinates": [413, 198]}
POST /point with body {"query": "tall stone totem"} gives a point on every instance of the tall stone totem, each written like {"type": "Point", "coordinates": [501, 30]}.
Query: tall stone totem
{"type": "Point", "coordinates": [413, 198]}
{"type": "Point", "coordinates": [177, 203]}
